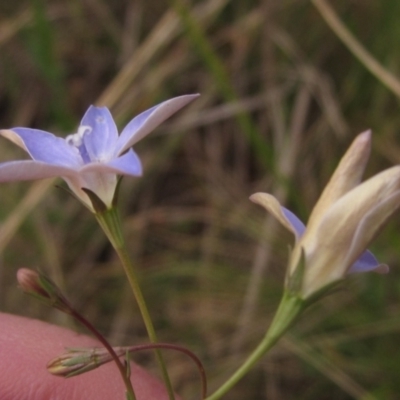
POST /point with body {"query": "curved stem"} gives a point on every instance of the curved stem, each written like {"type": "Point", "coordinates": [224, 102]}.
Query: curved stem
{"type": "Point", "coordinates": [181, 349]}
{"type": "Point", "coordinates": [289, 308]}
{"type": "Point", "coordinates": [104, 342]}
{"type": "Point", "coordinates": [110, 222]}
{"type": "Point", "coordinates": [44, 289]}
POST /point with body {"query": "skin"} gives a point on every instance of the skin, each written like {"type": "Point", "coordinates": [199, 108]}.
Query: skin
{"type": "Point", "coordinates": [27, 345]}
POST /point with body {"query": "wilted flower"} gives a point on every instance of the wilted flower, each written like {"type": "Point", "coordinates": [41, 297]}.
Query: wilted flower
{"type": "Point", "coordinates": [344, 221]}
{"type": "Point", "coordinates": [91, 158]}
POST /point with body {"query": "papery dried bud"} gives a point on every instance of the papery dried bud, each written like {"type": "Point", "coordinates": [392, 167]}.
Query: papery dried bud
{"type": "Point", "coordinates": [41, 287]}
{"type": "Point", "coordinates": [78, 361]}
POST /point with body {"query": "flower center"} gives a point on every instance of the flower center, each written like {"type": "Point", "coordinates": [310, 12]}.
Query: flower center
{"type": "Point", "coordinates": [76, 139]}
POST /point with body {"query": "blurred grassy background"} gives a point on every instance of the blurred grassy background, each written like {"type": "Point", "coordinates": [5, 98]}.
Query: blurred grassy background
{"type": "Point", "coordinates": [282, 97]}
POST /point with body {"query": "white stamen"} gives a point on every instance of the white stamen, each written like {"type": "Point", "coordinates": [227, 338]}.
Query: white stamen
{"type": "Point", "coordinates": [76, 139]}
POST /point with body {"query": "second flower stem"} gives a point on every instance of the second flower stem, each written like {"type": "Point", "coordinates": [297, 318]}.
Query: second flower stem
{"type": "Point", "coordinates": [110, 222]}
{"type": "Point", "coordinates": [290, 307]}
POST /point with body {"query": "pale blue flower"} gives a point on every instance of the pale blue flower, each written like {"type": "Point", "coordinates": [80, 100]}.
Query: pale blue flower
{"type": "Point", "coordinates": [91, 158]}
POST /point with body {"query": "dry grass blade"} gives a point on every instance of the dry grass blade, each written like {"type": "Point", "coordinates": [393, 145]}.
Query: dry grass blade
{"type": "Point", "coordinates": [10, 226]}
{"type": "Point", "coordinates": [380, 72]}
{"type": "Point", "coordinates": [327, 368]}
{"type": "Point", "coordinates": [166, 30]}
{"type": "Point", "coordinates": [287, 160]}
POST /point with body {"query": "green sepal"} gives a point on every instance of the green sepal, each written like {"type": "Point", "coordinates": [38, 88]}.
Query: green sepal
{"type": "Point", "coordinates": [67, 190]}
{"type": "Point", "coordinates": [71, 193]}
{"type": "Point", "coordinates": [114, 202]}
{"type": "Point", "coordinates": [294, 281]}
{"type": "Point", "coordinates": [57, 299]}
{"type": "Point", "coordinates": [82, 370]}
{"type": "Point", "coordinates": [324, 291]}
{"type": "Point", "coordinates": [128, 364]}
{"type": "Point", "coordinates": [110, 222]}
{"type": "Point", "coordinates": [98, 205]}
{"type": "Point", "coordinates": [46, 291]}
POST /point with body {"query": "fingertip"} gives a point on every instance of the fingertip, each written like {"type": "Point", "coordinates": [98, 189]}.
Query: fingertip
{"type": "Point", "coordinates": [27, 345]}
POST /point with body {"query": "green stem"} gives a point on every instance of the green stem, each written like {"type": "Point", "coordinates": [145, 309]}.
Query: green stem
{"type": "Point", "coordinates": [289, 308]}
{"type": "Point", "coordinates": [110, 222]}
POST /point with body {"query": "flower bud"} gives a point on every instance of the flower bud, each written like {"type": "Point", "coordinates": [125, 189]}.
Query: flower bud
{"type": "Point", "coordinates": [78, 361]}
{"type": "Point", "coordinates": [41, 287]}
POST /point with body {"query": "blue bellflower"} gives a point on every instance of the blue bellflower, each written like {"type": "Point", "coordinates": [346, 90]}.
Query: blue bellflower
{"type": "Point", "coordinates": [91, 158]}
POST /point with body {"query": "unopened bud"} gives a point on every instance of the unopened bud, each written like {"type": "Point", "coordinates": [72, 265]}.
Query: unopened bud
{"type": "Point", "coordinates": [77, 361]}
{"type": "Point", "coordinates": [41, 287]}
{"type": "Point", "coordinates": [29, 282]}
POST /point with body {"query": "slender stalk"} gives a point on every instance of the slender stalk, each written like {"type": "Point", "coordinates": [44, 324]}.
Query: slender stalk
{"type": "Point", "coordinates": [289, 308]}
{"type": "Point", "coordinates": [44, 289]}
{"type": "Point", "coordinates": [104, 342]}
{"type": "Point", "coordinates": [181, 349]}
{"type": "Point", "coordinates": [110, 222]}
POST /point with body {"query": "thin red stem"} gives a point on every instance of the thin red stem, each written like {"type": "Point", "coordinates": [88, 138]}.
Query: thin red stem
{"type": "Point", "coordinates": [109, 348]}
{"type": "Point", "coordinates": [176, 347]}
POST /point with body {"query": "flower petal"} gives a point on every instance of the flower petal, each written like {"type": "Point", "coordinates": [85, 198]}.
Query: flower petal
{"type": "Point", "coordinates": [27, 169]}
{"type": "Point", "coordinates": [338, 226]}
{"type": "Point", "coordinates": [283, 215]}
{"type": "Point", "coordinates": [100, 183]}
{"type": "Point", "coordinates": [13, 137]}
{"type": "Point", "coordinates": [371, 224]}
{"type": "Point", "coordinates": [347, 175]}
{"type": "Point", "coordinates": [127, 164]}
{"type": "Point", "coordinates": [340, 238]}
{"type": "Point", "coordinates": [100, 140]}
{"type": "Point", "coordinates": [148, 120]}
{"type": "Point", "coordinates": [44, 146]}
{"type": "Point", "coordinates": [367, 262]}
{"type": "Point", "coordinates": [382, 269]}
